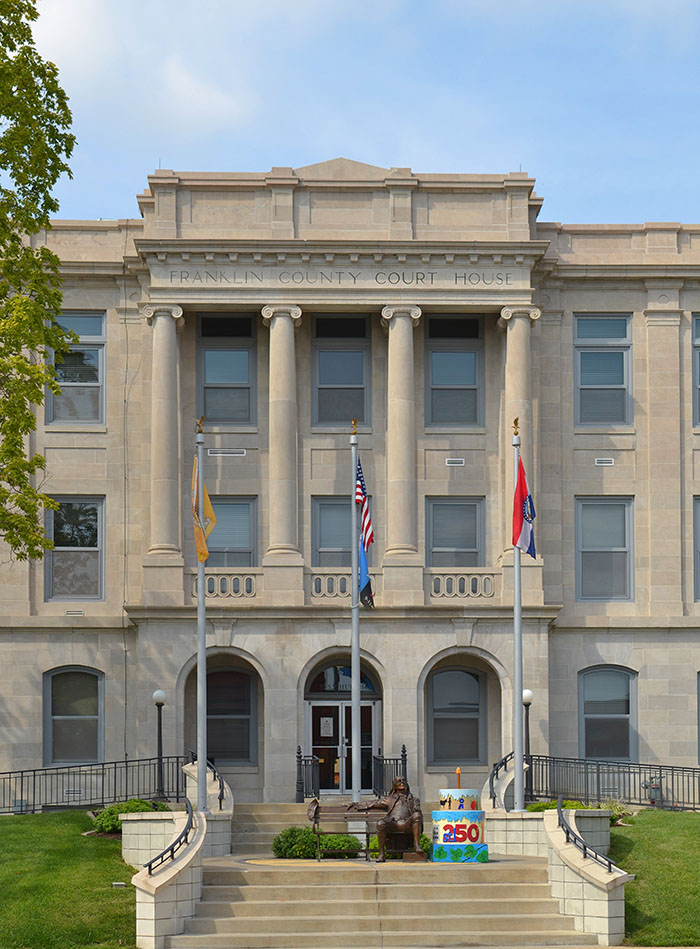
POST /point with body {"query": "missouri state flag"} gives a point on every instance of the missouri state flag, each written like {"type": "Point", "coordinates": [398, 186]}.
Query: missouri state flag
{"type": "Point", "coordinates": [523, 514]}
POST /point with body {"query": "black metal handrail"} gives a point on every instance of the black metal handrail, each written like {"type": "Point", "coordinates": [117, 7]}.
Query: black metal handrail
{"type": "Point", "coordinates": [308, 776]}
{"type": "Point", "coordinates": [180, 841]}
{"type": "Point", "coordinates": [573, 838]}
{"type": "Point", "coordinates": [499, 766]}
{"type": "Point", "coordinates": [384, 770]}
{"type": "Point", "coordinates": [89, 785]}
{"type": "Point", "coordinates": [217, 777]}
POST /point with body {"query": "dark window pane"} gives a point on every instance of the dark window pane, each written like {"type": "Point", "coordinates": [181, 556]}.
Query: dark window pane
{"type": "Point", "coordinates": [334, 524]}
{"type": "Point", "coordinates": [74, 739]}
{"type": "Point", "coordinates": [338, 678]}
{"type": "Point", "coordinates": [227, 405]}
{"type": "Point", "coordinates": [453, 369]}
{"type": "Point", "coordinates": [341, 327]}
{"type": "Point", "coordinates": [77, 404]}
{"type": "Point", "coordinates": [226, 366]}
{"type": "Point", "coordinates": [75, 524]}
{"type": "Point", "coordinates": [84, 324]}
{"type": "Point", "coordinates": [607, 738]}
{"type": "Point", "coordinates": [439, 328]}
{"type": "Point", "coordinates": [228, 739]}
{"type": "Point", "coordinates": [455, 690]}
{"type": "Point", "coordinates": [455, 739]}
{"type": "Point", "coordinates": [228, 693]}
{"type": "Point", "coordinates": [334, 558]}
{"type": "Point", "coordinates": [604, 574]}
{"type": "Point", "coordinates": [454, 559]}
{"type": "Point", "coordinates": [606, 692]}
{"type": "Point", "coordinates": [75, 573]}
{"type": "Point", "coordinates": [602, 369]}
{"type": "Point", "coordinates": [74, 693]}
{"type": "Point", "coordinates": [603, 525]}
{"type": "Point", "coordinates": [340, 368]}
{"type": "Point", "coordinates": [453, 406]}
{"type": "Point", "coordinates": [226, 326]}
{"type": "Point", "coordinates": [232, 528]}
{"type": "Point", "coordinates": [79, 365]}
{"type": "Point", "coordinates": [603, 405]}
{"type": "Point", "coordinates": [601, 328]}
{"type": "Point", "coordinates": [341, 406]}
{"type": "Point", "coordinates": [454, 525]}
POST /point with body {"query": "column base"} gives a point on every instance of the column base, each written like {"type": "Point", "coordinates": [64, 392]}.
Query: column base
{"type": "Point", "coordinates": [531, 576]}
{"type": "Point", "coordinates": [163, 579]}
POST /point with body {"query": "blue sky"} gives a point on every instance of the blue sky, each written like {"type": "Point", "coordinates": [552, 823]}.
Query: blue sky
{"type": "Point", "coordinates": [596, 99]}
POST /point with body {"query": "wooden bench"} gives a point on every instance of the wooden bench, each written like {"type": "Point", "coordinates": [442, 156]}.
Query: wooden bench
{"type": "Point", "coordinates": [345, 813]}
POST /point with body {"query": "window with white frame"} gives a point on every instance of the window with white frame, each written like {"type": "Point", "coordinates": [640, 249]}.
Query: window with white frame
{"type": "Point", "coordinates": [231, 716]}
{"type": "Point", "coordinates": [226, 368]}
{"type": "Point", "coordinates": [608, 713]}
{"type": "Point", "coordinates": [331, 528]}
{"type": "Point", "coordinates": [602, 370]}
{"type": "Point", "coordinates": [454, 371]}
{"type": "Point", "coordinates": [604, 549]}
{"type": "Point", "coordinates": [80, 372]}
{"type": "Point", "coordinates": [74, 568]}
{"type": "Point", "coordinates": [341, 370]}
{"type": "Point", "coordinates": [73, 715]}
{"type": "Point", "coordinates": [233, 541]}
{"type": "Point", "coordinates": [455, 532]}
{"type": "Point", "coordinates": [456, 716]}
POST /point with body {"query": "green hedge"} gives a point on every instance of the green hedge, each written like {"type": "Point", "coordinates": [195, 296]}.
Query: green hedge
{"type": "Point", "coordinates": [107, 821]}
{"type": "Point", "coordinates": [425, 844]}
{"type": "Point", "coordinates": [300, 843]}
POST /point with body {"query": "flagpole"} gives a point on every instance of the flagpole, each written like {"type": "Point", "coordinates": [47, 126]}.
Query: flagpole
{"type": "Point", "coordinates": [355, 611]}
{"type": "Point", "coordinates": [519, 792]}
{"type": "Point", "coordinates": [201, 644]}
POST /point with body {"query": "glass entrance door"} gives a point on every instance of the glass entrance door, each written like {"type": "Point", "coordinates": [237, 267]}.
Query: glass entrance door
{"type": "Point", "coordinates": [331, 742]}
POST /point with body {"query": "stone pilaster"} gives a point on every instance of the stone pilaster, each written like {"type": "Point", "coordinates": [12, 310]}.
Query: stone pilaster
{"type": "Point", "coordinates": [283, 561]}
{"type": "Point", "coordinates": [403, 574]}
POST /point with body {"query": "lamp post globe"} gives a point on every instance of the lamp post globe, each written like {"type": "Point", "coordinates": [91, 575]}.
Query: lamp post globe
{"type": "Point", "coordinates": [159, 697]}
{"type": "Point", "coordinates": [528, 696]}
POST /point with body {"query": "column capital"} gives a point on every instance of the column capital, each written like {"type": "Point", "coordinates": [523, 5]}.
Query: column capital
{"type": "Point", "coordinates": [533, 312]}
{"type": "Point", "coordinates": [401, 309]}
{"type": "Point", "coordinates": [271, 310]}
{"type": "Point", "coordinates": [170, 309]}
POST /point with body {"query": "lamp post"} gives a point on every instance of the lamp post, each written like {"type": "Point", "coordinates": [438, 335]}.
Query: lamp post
{"type": "Point", "coordinates": [528, 696]}
{"type": "Point", "coordinates": [159, 700]}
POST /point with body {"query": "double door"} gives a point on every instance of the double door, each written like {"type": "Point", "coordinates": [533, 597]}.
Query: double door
{"type": "Point", "coordinates": [330, 738]}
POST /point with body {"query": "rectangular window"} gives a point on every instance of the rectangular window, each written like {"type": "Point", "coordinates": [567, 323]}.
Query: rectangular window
{"type": "Point", "coordinates": [341, 361]}
{"type": "Point", "coordinates": [74, 569]}
{"type": "Point", "coordinates": [602, 370]}
{"type": "Point", "coordinates": [73, 716]}
{"type": "Point", "coordinates": [696, 369]}
{"type": "Point", "coordinates": [455, 529]}
{"type": "Point", "coordinates": [226, 368]}
{"type": "Point", "coordinates": [607, 713]}
{"type": "Point", "coordinates": [454, 371]}
{"type": "Point", "coordinates": [331, 530]}
{"type": "Point", "coordinates": [80, 373]}
{"type": "Point", "coordinates": [233, 542]}
{"type": "Point", "coordinates": [604, 548]}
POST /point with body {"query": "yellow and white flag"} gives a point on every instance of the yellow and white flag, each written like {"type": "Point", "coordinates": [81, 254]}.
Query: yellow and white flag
{"type": "Point", "coordinates": [203, 522]}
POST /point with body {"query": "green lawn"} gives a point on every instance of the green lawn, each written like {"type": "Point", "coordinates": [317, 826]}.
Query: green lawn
{"type": "Point", "coordinates": [663, 903]}
{"type": "Point", "coordinates": [57, 888]}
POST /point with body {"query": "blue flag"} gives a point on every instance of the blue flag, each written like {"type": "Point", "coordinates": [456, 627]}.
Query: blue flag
{"type": "Point", "coordinates": [366, 597]}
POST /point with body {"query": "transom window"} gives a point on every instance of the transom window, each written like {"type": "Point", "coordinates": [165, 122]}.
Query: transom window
{"type": "Point", "coordinates": [80, 373]}
{"type": "Point", "coordinates": [456, 716]}
{"type": "Point", "coordinates": [233, 541]}
{"type": "Point", "coordinates": [226, 344]}
{"type": "Point", "coordinates": [604, 548]}
{"type": "Point", "coordinates": [73, 709]}
{"type": "Point", "coordinates": [74, 569]}
{"type": "Point", "coordinates": [453, 371]}
{"type": "Point", "coordinates": [455, 532]}
{"type": "Point", "coordinates": [602, 370]}
{"type": "Point", "coordinates": [341, 367]}
{"type": "Point", "coordinates": [607, 709]}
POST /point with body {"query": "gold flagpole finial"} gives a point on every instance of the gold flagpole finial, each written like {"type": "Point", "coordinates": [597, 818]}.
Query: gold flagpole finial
{"type": "Point", "coordinates": [515, 426]}
{"type": "Point", "coordinates": [354, 426]}
{"type": "Point", "coordinates": [199, 425]}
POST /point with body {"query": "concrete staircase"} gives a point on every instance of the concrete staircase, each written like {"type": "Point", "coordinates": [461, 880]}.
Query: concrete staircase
{"type": "Point", "coordinates": [300, 905]}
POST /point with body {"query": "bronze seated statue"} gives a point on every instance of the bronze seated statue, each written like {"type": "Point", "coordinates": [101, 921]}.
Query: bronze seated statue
{"type": "Point", "coordinates": [403, 817]}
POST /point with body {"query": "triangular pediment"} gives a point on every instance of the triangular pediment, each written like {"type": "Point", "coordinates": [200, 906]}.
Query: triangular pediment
{"type": "Point", "coordinates": [340, 169]}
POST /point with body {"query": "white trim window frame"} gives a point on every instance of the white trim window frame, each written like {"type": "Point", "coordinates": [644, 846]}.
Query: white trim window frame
{"type": "Point", "coordinates": [455, 538]}
{"type": "Point", "coordinates": [340, 372]}
{"type": "Point", "coordinates": [79, 714]}
{"type": "Point", "coordinates": [77, 531]}
{"type": "Point", "coordinates": [459, 714]}
{"type": "Point", "coordinates": [81, 372]}
{"type": "Point", "coordinates": [454, 372]}
{"type": "Point", "coordinates": [602, 370]}
{"type": "Point", "coordinates": [604, 548]}
{"type": "Point", "coordinates": [226, 369]}
{"type": "Point", "coordinates": [605, 703]}
{"type": "Point", "coordinates": [233, 541]}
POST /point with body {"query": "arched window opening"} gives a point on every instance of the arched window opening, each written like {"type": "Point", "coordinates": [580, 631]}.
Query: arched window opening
{"type": "Point", "coordinates": [607, 714]}
{"type": "Point", "coordinates": [456, 716]}
{"type": "Point", "coordinates": [73, 716]}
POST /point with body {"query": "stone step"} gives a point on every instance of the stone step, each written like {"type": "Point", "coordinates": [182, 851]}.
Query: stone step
{"type": "Point", "coordinates": [413, 892]}
{"type": "Point", "coordinates": [406, 940]}
{"type": "Point", "coordinates": [356, 905]}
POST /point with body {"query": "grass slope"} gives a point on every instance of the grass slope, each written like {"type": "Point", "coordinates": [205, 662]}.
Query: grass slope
{"type": "Point", "coordinates": [56, 886]}
{"type": "Point", "coordinates": [663, 903]}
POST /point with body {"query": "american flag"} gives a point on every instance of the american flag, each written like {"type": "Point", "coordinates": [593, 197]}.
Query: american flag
{"type": "Point", "coordinates": [361, 499]}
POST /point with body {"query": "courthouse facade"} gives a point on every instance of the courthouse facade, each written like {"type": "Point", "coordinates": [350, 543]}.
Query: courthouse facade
{"type": "Point", "coordinates": [435, 309]}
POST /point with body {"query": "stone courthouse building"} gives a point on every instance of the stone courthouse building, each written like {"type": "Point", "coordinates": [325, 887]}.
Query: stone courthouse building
{"type": "Point", "coordinates": [434, 308]}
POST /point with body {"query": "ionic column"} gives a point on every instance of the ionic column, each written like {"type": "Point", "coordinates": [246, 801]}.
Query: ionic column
{"type": "Point", "coordinates": [282, 488]}
{"type": "Point", "coordinates": [518, 384]}
{"type": "Point", "coordinates": [401, 446]}
{"type": "Point", "coordinates": [165, 429]}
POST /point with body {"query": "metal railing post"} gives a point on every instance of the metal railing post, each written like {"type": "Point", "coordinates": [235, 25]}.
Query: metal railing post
{"type": "Point", "coordinates": [300, 778]}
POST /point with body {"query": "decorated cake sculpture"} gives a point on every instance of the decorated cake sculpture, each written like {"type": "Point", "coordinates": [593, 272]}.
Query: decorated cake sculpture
{"type": "Point", "coordinates": [458, 829]}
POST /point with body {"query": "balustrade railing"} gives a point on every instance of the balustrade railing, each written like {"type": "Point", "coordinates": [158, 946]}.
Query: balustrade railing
{"type": "Point", "coordinates": [464, 585]}
{"type": "Point", "coordinates": [329, 584]}
{"type": "Point", "coordinates": [230, 585]}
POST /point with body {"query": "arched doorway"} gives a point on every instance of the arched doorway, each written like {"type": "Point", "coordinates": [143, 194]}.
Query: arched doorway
{"type": "Point", "coordinates": [327, 700]}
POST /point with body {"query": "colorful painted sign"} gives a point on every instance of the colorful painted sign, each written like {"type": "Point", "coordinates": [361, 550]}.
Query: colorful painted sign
{"type": "Point", "coordinates": [458, 827]}
{"type": "Point", "coordinates": [455, 799]}
{"type": "Point", "coordinates": [457, 853]}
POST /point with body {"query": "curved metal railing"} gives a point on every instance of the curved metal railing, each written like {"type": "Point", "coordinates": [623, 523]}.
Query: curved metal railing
{"type": "Point", "coordinates": [172, 849]}
{"type": "Point", "coordinates": [501, 765]}
{"type": "Point", "coordinates": [573, 838]}
{"type": "Point", "coordinates": [216, 775]}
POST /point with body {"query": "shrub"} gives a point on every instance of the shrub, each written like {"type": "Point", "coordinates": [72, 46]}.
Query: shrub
{"type": "Point", "coordinates": [551, 805]}
{"type": "Point", "coordinates": [425, 844]}
{"type": "Point", "coordinates": [341, 842]}
{"type": "Point", "coordinates": [300, 843]}
{"type": "Point", "coordinates": [107, 821]}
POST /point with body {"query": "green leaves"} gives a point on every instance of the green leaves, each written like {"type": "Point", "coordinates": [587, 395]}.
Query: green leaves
{"type": "Point", "coordinates": [35, 143]}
